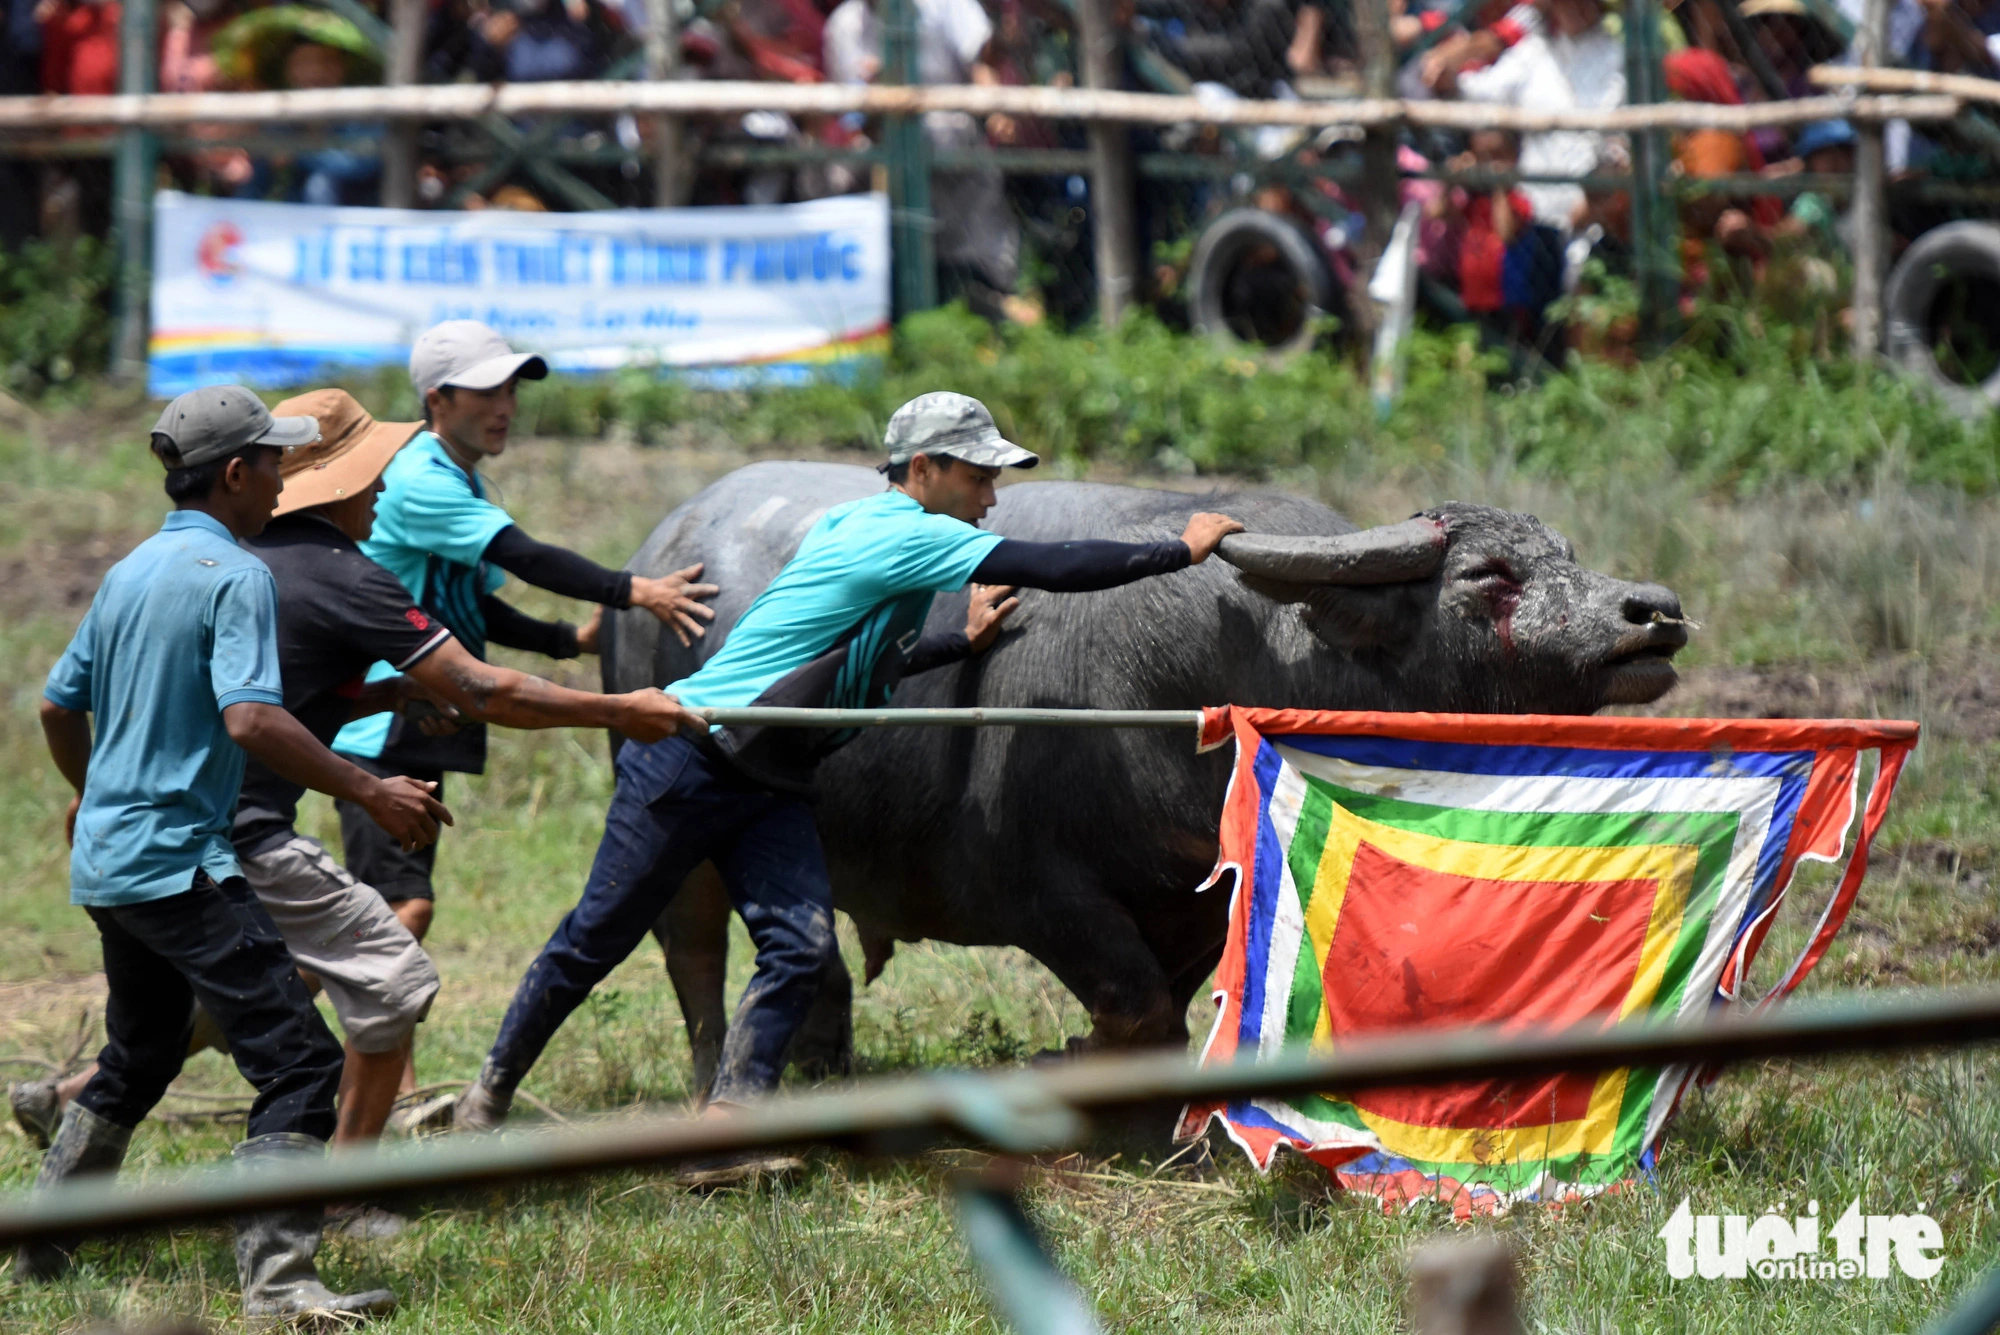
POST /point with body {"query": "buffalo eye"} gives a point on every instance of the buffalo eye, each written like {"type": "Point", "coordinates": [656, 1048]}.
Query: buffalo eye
{"type": "Point", "coordinates": [1494, 576]}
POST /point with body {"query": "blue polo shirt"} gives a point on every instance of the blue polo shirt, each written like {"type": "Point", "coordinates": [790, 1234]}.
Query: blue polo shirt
{"type": "Point", "coordinates": [181, 629]}
{"type": "Point", "coordinates": [432, 527]}
{"type": "Point", "coordinates": [855, 594]}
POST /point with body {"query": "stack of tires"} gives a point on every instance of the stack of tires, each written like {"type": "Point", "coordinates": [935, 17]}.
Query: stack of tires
{"type": "Point", "coordinates": [1942, 303]}
{"type": "Point", "coordinates": [1258, 280]}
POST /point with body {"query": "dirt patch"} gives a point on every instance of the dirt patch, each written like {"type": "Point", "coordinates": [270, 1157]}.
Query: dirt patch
{"type": "Point", "coordinates": [50, 1020]}
{"type": "Point", "coordinates": [1956, 700]}
{"type": "Point", "coordinates": [47, 577]}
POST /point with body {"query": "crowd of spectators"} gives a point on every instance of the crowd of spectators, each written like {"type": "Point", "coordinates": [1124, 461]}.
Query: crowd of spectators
{"type": "Point", "coordinates": [1492, 247]}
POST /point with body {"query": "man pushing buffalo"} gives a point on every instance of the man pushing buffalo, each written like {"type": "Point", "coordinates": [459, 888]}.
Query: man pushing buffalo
{"type": "Point", "coordinates": [838, 627]}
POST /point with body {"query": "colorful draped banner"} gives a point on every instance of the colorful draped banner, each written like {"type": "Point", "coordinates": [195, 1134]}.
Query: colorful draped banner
{"type": "Point", "coordinates": [1398, 871]}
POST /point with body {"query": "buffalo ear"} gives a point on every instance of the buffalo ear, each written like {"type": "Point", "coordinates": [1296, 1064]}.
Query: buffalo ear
{"type": "Point", "coordinates": [1365, 618]}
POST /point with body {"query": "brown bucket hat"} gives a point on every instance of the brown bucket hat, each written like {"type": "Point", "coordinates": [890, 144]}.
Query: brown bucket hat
{"type": "Point", "coordinates": [351, 452]}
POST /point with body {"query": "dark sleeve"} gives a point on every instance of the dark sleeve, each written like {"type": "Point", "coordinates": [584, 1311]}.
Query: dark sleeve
{"type": "Point", "coordinates": [935, 651]}
{"type": "Point", "coordinates": [375, 614]}
{"type": "Point", "coordinates": [1079, 567]}
{"type": "Point", "coordinates": [517, 630]}
{"type": "Point", "coordinates": [558, 569]}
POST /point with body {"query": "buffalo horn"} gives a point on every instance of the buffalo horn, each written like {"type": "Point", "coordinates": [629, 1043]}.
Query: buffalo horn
{"type": "Point", "coordinates": [1390, 554]}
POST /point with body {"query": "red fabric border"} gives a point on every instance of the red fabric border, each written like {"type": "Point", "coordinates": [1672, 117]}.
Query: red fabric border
{"type": "Point", "coordinates": [1655, 734]}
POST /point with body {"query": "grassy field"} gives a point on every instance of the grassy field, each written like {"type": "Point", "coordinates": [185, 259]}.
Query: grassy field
{"type": "Point", "coordinates": [1874, 596]}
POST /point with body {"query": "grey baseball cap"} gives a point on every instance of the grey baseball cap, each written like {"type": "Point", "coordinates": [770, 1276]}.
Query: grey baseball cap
{"type": "Point", "coordinates": [953, 424]}
{"type": "Point", "coordinates": [204, 425]}
{"type": "Point", "coordinates": [468, 355]}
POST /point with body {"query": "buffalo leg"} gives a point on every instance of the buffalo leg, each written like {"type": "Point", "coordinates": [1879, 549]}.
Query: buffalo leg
{"type": "Point", "coordinates": [693, 931]}
{"type": "Point", "coordinates": [1100, 956]}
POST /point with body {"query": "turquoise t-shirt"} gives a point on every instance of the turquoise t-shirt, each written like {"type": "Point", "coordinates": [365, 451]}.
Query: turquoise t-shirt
{"type": "Point", "coordinates": [863, 578]}
{"type": "Point", "coordinates": [181, 629]}
{"type": "Point", "coordinates": [432, 527]}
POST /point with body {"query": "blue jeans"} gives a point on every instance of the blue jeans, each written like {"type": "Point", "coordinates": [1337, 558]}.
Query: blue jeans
{"type": "Point", "coordinates": [674, 808]}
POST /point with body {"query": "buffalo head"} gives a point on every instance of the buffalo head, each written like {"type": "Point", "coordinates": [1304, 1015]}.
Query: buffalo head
{"type": "Point", "coordinates": [1473, 608]}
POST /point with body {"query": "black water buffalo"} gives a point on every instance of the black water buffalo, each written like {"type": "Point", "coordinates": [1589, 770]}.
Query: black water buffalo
{"type": "Point", "coordinates": [1084, 847]}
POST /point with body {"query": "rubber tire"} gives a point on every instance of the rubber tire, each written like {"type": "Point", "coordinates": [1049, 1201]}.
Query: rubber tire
{"type": "Point", "coordinates": [1968, 248]}
{"type": "Point", "coordinates": [1222, 245]}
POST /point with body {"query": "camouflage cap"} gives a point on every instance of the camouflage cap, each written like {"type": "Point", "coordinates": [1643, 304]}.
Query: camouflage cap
{"type": "Point", "coordinates": [957, 425]}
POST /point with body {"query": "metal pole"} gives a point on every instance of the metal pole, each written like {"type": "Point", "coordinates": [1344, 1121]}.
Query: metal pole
{"type": "Point", "coordinates": [407, 19]}
{"type": "Point", "coordinates": [132, 191]}
{"type": "Point", "coordinates": [777, 717]}
{"type": "Point", "coordinates": [1871, 208]}
{"type": "Point", "coordinates": [1654, 226]}
{"type": "Point", "coordinates": [1113, 216]}
{"type": "Point", "coordinates": [1977, 1312]}
{"type": "Point", "coordinates": [1019, 1111]}
{"type": "Point", "coordinates": [663, 62]}
{"type": "Point", "coordinates": [1032, 1293]}
{"type": "Point", "coordinates": [1379, 179]}
{"type": "Point", "coordinates": [912, 243]}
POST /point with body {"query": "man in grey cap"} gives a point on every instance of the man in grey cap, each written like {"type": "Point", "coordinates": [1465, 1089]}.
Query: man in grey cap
{"type": "Point", "coordinates": [177, 662]}
{"type": "Point", "coordinates": [452, 548]}
{"type": "Point", "coordinates": [838, 627]}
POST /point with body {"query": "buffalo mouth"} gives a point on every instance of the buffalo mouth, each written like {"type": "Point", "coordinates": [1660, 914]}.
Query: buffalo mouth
{"type": "Point", "coordinates": [1641, 675]}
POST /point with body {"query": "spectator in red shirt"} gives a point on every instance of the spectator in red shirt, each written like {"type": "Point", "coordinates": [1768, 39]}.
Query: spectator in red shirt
{"type": "Point", "coordinates": [79, 45]}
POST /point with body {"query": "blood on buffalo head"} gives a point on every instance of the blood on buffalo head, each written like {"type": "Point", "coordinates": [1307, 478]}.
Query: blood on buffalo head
{"type": "Point", "coordinates": [1473, 608]}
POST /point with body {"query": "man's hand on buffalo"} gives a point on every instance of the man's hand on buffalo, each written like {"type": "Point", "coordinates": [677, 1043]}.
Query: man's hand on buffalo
{"type": "Point", "coordinates": [588, 633]}
{"type": "Point", "coordinates": [1205, 532]}
{"type": "Point", "coordinates": [676, 600]}
{"type": "Point", "coordinates": [991, 604]}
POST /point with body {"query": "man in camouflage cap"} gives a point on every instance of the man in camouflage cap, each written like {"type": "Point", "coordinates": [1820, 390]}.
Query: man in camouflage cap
{"type": "Point", "coordinates": [840, 625]}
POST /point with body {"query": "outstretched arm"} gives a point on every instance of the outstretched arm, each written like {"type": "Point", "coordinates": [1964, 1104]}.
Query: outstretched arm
{"type": "Point", "coordinates": [1081, 567]}
{"type": "Point", "coordinates": [492, 694]}
{"type": "Point", "coordinates": [1060, 567]}
{"type": "Point", "coordinates": [402, 806]}
{"type": "Point", "coordinates": [674, 599]}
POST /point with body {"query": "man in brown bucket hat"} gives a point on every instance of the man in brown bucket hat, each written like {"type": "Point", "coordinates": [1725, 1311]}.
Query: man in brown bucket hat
{"type": "Point", "coordinates": [338, 613]}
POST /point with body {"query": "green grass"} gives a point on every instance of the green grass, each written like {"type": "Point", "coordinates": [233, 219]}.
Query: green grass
{"type": "Point", "coordinates": [1863, 583]}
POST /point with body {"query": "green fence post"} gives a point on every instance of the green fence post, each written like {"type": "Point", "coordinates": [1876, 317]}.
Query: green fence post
{"type": "Point", "coordinates": [1656, 268]}
{"type": "Point", "coordinates": [132, 192]}
{"type": "Point", "coordinates": [911, 242]}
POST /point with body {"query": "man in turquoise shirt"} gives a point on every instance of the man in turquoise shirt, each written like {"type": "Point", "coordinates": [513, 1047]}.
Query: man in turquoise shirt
{"type": "Point", "coordinates": [439, 533]}
{"type": "Point", "coordinates": [177, 661]}
{"type": "Point", "coordinates": [839, 626]}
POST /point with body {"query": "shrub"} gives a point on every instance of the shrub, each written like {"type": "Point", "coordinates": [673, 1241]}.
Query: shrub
{"type": "Point", "coordinates": [55, 317]}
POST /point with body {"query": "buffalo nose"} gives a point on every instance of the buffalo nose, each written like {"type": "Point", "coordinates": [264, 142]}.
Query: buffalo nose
{"type": "Point", "coordinates": [1646, 604]}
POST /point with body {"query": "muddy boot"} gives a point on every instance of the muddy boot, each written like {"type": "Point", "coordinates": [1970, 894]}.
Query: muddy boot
{"type": "Point", "coordinates": [481, 1107]}
{"type": "Point", "coordinates": [274, 1251]}
{"type": "Point", "coordinates": [37, 1107]}
{"type": "Point", "coordinates": [85, 1145]}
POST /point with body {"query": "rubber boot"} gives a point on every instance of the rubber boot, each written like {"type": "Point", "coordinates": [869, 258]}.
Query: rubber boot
{"type": "Point", "coordinates": [275, 1251]}
{"type": "Point", "coordinates": [37, 1109]}
{"type": "Point", "coordinates": [481, 1107]}
{"type": "Point", "coordinates": [85, 1145]}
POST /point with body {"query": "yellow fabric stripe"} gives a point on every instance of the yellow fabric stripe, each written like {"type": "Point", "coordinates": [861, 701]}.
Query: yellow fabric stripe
{"type": "Point", "coordinates": [1669, 867]}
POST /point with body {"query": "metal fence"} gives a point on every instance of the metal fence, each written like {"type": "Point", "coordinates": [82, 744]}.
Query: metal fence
{"type": "Point", "coordinates": [1020, 1113]}
{"type": "Point", "coordinates": [1590, 235]}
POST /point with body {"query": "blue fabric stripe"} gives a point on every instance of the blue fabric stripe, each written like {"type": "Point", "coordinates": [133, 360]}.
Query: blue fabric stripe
{"type": "Point", "coordinates": [1583, 762]}
{"type": "Point", "coordinates": [1264, 885]}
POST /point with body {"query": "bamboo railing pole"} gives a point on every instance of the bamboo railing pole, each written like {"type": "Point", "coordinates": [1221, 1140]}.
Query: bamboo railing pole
{"type": "Point", "coordinates": [43, 115]}
{"type": "Point", "coordinates": [407, 20]}
{"type": "Point", "coordinates": [1871, 204]}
